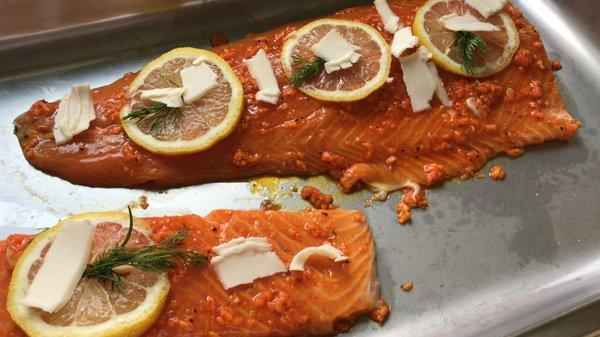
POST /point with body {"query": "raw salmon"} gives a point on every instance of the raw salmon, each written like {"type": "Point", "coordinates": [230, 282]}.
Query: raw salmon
{"type": "Point", "coordinates": [378, 141]}
{"type": "Point", "coordinates": [325, 299]}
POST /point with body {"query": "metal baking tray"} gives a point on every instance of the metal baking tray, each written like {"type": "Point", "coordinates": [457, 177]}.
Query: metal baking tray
{"type": "Point", "coordinates": [487, 258]}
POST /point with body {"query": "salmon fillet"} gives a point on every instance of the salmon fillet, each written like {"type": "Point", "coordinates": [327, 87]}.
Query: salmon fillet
{"type": "Point", "coordinates": [378, 141]}
{"type": "Point", "coordinates": [325, 299]}
{"type": "Point", "coordinates": [7, 327]}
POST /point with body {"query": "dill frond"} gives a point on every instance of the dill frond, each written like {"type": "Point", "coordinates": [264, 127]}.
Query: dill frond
{"type": "Point", "coordinates": [158, 116]}
{"type": "Point", "coordinates": [468, 44]}
{"type": "Point", "coordinates": [308, 69]}
{"type": "Point", "coordinates": [152, 258]}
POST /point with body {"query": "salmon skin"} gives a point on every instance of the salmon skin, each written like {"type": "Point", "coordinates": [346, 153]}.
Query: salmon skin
{"type": "Point", "coordinates": [378, 141]}
{"type": "Point", "coordinates": [325, 299]}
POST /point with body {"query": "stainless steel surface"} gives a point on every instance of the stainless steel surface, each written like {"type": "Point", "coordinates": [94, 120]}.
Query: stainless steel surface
{"type": "Point", "coordinates": [69, 32]}
{"type": "Point", "coordinates": [487, 258]}
{"type": "Point", "coordinates": [584, 323]}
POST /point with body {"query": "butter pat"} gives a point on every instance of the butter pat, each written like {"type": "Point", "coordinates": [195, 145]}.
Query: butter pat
{"type": "Point", "coordinates": [326, 250]}
{"type": "Point", "coordinates": [419, 80]}
{"type": "Point", "coordinates": [239, 245]}
{"type": "Point", "coordinates": [403, 40]}
{"type": "Point", "coordinates": [198, 81]}
{"type": "Point", "coordinates": [466, 23]}
{"type": "Point", "coordinates": [440, 89]}
{"type": "Point", "coordinates": [391, 21]}
{"type": "Point", "coordinates": [487, 8]}
{"type": "Point", "coordinates": [243, 260]}
{"type": "Point", "coordinates": [261, 70]}
{"type": "Point", "coordinates": [74, 114]}
{"type": "Point", "coordinates": [172, 97]}
{"type": "Point", "coordinates": [336, 51]}
{"type": "Point", "coordinates": [63, 267]}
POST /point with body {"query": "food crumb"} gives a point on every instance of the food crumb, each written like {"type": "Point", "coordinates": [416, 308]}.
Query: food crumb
{"type": "Point", "coordinates": [402, 213]}
{"type": "Point", "coordinates": [316, 198]}
{"type": "Point", "coordinates": [434, 173]}
{"type": "Point", "coordinates": [479, 175]}
{"type": "Point", "coordinates": [269, 205]}
{"type": "Point", "coordinates": [555, 65]}
{"type": "Point", "coordinates": [407, 286]}
{"type": "Point", "coordinates": [381, 312]}
{"type": "Point", "coordinates": [218, 39]}
{"type": "Point", "coordinates": [523, 58]}
{"type": "Point", "coordinates": [294, 189]}
{"type": "Point", "coordinates": [415, 199]}
{"type": "Point", "coordinates": [244, 159]}
{"type": "Point", "coordinates": [143, 200]}
{"type": "Point", "coordinates": [380, 196]}
{"type": "Point", "coordinates": [514, 152]}
{"type": "Point", "coordinates": [497, 173]}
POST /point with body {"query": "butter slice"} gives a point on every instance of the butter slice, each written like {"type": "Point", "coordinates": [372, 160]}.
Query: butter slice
{"type": "Point", "coordinates": [336, 51]}
{"type": "Point", "coordinates": [403, 40]}
{"type": "Point", "coordinates": [239, 245]}
{"type": "Point", "coordinates": [74, 114]}
{"type": "Point", "coordinates": [261, 70]}
{"type": "Point", "coordinates": [440, 89]}
{"type": "Point", "coordinates": [466, 23]}
{"type": "Point", "coordinates": [391, 21]}
{"type": "Point", "coordinates": [474, 107]}
{"type": "Point", "coordinates": [63, 267]}
{"type": "Point", "coordinates": [420, 83]}
{"type": "Point", "coordinates": [197, 80]}
{"type": "Point", "coordinates": [487, 8]}
{"type": "Point", "coordinates": [243, 260]}
{"type": "Point", "coordinates": [326, 250]}
{"type": "Point", "coordinates": [172, 97]}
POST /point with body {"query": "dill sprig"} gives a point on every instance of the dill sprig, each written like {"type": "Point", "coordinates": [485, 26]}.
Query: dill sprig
{"type": "Point", "coordinates": [153, 258]}
{"type": "Point", "coordinates": [468, 44]}
{"type": "Point", "coordinates": [308, 69]}
{"type": "Point", "coordinates": [158, 116]}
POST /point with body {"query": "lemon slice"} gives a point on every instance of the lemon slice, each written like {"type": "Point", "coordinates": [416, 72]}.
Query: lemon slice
{"type": "Point", "coordinates": [346, 85]}
{"type": "Point", "coordinates": [95, 310]}
{"type": "Point", "coordinates": [194, 127]}
{"type": "Point", "coordinates": [442, 42]}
